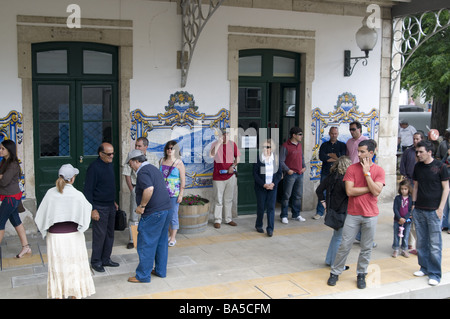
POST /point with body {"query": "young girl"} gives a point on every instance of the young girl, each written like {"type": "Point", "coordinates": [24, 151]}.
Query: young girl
{"type": "Point", "coordinates": [402, 218]}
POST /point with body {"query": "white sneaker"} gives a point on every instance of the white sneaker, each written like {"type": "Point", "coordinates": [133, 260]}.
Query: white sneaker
{"type": "Point", "coordinates": [419, 273]}
{"type": "Point", "coordinates": [284, 220]}
{"type": "Point", "coordinates": [433, 282]}
{"type": "Point", "coordinates": [299, 218]}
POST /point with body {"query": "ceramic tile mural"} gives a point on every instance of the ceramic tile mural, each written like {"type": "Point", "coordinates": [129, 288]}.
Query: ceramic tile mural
{"type": "Point", "coordinates": [345, 111]}
{"type": "Point", "coordinates": [193, 131]}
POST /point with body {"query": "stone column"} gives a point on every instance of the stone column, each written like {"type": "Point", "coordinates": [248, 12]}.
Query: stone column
{"type": "Point", "coordinates": [387, 137]}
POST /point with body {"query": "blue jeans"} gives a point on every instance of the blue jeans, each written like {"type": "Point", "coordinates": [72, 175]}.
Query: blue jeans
{"type": "Point", "coordinates": [335, 242]}
{"type": "Point", "coordinates": [445, 223]}
{"type": "Point", "coordinates": [319, 209]}
{"type": "Point", "coordinates": [292, 190]}
{"type": "Point", "coordinates": [8, 210]}
{"type": "Point", "coordinates": [174, 223]}
{"type": "Point", "coordinates": [152, 244]}
{"type": "Point", "coordinates": [404, 239]}
{"type": "Point", "coordinates": [429, 242]}
{"type": "Point", "coordinates": [265, 201]}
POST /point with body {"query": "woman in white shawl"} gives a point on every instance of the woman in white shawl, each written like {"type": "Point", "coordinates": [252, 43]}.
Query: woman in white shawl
{"type": "Point", "coordinates": [63, 216]}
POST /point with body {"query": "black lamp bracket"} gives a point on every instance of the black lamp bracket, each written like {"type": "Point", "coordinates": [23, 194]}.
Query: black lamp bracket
{"type": "Point", "coordinates": [348, 68]}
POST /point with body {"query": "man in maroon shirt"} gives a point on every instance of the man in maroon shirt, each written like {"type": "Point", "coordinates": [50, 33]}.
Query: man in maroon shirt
{"type": "Point", "coordinates": [293, 165]}
{"type": "Point", "coordinates": [226, 157]}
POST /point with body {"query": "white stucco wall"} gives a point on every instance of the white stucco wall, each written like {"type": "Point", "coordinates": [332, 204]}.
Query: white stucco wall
{"type": "Point", "coordinates": [157, 38]}
{"type": "Point", "coordinates": [156, 32]}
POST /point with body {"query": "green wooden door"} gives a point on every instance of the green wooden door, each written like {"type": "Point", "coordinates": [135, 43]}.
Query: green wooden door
{"type": "Point", "coordinates": [252, 117]}
{"type": "Point", "coordinates": [74, 109]}
{"type": "Point", "coordinates": [268, 100]}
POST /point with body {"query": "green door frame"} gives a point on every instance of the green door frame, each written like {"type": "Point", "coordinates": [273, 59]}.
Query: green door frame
{"type": "Point", "coordinates": [246, 195]}
{"type": "Point", "coordinates": [46, 167]}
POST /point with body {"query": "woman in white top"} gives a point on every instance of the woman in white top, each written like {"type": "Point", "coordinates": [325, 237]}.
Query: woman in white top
{"type": "Point", "coordinates": [63, 216]}
{"type": "Point", "coordinates": [267, 175]}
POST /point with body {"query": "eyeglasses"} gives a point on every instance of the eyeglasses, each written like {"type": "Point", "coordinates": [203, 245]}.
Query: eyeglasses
{"type": "Point", "coordinates": [108, 154]}
{"type": "Point", "coordinates": [299, 134]}
{"type": "Point", "coordinates": [170, 148]}
{"type": "Point", "coordinates": [352, 129]}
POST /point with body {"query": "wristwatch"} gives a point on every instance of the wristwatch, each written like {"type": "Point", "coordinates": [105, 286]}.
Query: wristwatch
{"type": "Point", "coordinates": [141, 206]}
{"type": "Point", "coordinates": [367, 174]}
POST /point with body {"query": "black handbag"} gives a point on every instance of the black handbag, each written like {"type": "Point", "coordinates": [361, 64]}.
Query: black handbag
{"type": "Point", "coordinates": [334, 219]}
{"type": "Point", "coordinates": [121, 220]}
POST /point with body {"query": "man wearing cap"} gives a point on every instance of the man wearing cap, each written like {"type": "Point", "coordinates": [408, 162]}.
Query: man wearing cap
{"type": "Point", "coordinates": [100, 191]}
{"type": "Point", "coordinates": [153, 204]}
{"type": "Point", "coordinates": [226, 157]}
{"type": "Point", "coordinates": [405, 134]}
{"type": "Point", "coordinates": [130, 179]}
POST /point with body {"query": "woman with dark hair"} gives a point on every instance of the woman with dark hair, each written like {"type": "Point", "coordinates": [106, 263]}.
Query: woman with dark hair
{"type": "Point", "coordinates": [173, 170]}
{"type": "Point", "coordinates": [10, 194]}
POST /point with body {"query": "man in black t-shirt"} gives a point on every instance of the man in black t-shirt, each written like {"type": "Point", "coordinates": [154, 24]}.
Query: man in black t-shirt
{"type": "Point", "coordinates": [429, 196]}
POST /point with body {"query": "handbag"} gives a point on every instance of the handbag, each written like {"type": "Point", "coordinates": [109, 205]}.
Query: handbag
{"type": "Point", "coordinates": [121, 220]}
{"type": "Point", "coordinates": [334, 219]}
{"type": "Point", "coordinates": [20, 207]}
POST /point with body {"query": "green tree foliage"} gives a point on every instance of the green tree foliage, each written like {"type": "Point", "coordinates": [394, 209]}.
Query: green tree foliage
{"type": "Point", "coordinates": [428, 70]}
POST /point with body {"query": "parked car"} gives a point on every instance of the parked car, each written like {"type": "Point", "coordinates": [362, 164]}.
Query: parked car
{"type": "Point", "coordinates": [411, 108]}
{"type": "Point", "coordinates": [420, 120]}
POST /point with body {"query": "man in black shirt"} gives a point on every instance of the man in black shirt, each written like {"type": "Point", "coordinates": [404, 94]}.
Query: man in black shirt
{"type": "Point", "coordinates": [100, 191]}
{"type": "Point", "coordinates": [329, 153]}
{"type": "Point", "coordinates": [429, 196]}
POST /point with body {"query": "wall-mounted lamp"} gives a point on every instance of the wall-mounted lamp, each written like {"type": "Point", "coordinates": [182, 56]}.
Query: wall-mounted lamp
{"type": "Point", "coordinates": [366, 38]}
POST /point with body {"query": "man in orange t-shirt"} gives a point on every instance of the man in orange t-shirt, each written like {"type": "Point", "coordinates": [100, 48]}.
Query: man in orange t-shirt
{"type": "Point", "coordinates": [363, 183]}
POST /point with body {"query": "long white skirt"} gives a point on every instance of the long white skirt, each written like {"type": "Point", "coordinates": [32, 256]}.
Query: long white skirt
{"type": "Point", "coordinates": [69, 273]}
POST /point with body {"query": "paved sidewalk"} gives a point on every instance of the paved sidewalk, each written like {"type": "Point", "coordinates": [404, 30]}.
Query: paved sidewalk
{"type": "Point", "coordinates": [238, 262]}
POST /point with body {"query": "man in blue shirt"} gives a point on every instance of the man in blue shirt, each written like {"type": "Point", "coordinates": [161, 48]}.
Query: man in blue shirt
{"type": "Point", "coordinates": [329, 152]}
{"type": "Point", "coordinates": [100, 191]}
{"type": "Point", "coordinates": [153, 204]}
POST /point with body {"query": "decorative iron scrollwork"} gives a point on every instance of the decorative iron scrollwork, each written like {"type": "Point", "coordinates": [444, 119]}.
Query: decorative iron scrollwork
{"type": "Point", "coordinates": [409, 32]}
{"type": "Point", "coordinates": [194, 19]}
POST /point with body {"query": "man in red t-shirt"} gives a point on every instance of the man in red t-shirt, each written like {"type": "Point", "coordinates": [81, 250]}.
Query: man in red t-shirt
{"type": "Point", "coordinates": [363, 183]}
{"type": "Point", "coordinates": [226, 157]}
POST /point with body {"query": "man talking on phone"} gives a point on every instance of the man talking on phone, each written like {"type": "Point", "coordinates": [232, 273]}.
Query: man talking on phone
{"type": "Point", "coordinates": [364, 182]}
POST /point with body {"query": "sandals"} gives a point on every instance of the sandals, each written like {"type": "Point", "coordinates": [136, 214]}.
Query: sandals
{"type": "Point", "coordinates": [172, 243]}
{"type": "Point", "coordinates": [26, 250]}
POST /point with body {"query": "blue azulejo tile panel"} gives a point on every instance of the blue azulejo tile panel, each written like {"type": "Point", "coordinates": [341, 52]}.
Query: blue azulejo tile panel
{"type": "Point", "coordinates": [344, 112]}
{"type": "Point", "coordinates": [194, 132]}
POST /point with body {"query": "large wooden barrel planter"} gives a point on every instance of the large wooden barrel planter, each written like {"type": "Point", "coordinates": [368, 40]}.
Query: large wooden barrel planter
{"type": "Point", "coordinates": [193, 218]}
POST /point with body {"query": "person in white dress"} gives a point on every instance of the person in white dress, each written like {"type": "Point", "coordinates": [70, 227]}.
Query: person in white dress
{"type": "Point", "coordinates": [62, 218]}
